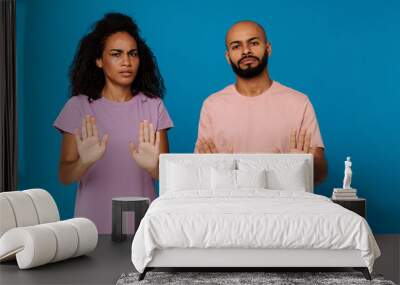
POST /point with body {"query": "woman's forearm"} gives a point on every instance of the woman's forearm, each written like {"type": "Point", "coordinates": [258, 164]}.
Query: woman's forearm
{"type": "Point", "coordinates": [154, 173]}
{"type": "Point", "coordinates": [72, 171]}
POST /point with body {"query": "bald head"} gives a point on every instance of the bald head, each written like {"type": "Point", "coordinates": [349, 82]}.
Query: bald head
{"type": "Point", "coordinates": [244, 29]}
{"type": "Point", "coordinates": [247, 49]}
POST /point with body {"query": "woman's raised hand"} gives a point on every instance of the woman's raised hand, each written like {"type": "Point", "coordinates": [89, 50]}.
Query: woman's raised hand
{"type": "Point", "coordinates": [147, 152]}
{"type": "Point", "coordinates": [90, 147]}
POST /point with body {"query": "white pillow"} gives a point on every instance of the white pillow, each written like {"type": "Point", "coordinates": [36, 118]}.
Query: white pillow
{"type": "Point", "coordinates": [251, 178]}
{"type": "Point", "coordinates": [281, 174]}
{"type": "Point", "coordinates": [223, 179]}
{"type": "Point", "coordinates": [182, 177]}
{"type": "Point", "coordinates": [235, 179]}
{"type": "Point", "coordinates": [188, 175]}
{"type": "Point", "coordinates": [288, 179]}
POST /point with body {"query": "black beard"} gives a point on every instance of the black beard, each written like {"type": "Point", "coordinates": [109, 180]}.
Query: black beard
{"type": "Point", "coordinates": [250, 72]}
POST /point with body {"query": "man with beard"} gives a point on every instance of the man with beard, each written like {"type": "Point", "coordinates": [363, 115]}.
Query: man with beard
{"type": "Point", "coordinates": [258, 114]}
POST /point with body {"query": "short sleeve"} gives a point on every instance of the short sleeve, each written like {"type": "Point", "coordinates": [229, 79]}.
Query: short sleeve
{"type": "Point", "coordinates": [163, 119]}
{"type": "Point", "coordinates": [70, 117]}
{"type": "Point", "coordinates": [205, 125]}
{"type": "Point", "coordinates": [310, 124]}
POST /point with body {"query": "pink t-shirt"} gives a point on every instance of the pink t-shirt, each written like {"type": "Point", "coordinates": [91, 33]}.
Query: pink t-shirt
{"type": "Point", "coordinates": [257, 124]}
{"type": "Point", "coordinates": [116, 174]}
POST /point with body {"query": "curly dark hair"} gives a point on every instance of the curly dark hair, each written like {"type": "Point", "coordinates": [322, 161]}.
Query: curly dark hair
{"type": "Point", "coordinates": [86, 78]}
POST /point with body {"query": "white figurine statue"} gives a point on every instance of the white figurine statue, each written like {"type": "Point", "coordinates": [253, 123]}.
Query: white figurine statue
{"type": "Point", "coordinates": [347, 174]}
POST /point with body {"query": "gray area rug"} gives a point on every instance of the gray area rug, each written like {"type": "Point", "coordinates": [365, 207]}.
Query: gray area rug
{"type": "Point", "coordinates": [231, 278]}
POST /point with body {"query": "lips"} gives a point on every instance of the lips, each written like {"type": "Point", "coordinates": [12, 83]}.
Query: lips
{"type": "Point", "coordinates": [248, 60]}
{"type": "Point", "coordinates": [126, 73]}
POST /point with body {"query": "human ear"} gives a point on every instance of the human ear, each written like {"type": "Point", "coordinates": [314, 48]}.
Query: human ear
{"type": "Point", "coordinates": [227, 57]}
{"type": "Point", "coordinates": [99, 63]}
{"type": "Point", "coordinates": [269, 49]}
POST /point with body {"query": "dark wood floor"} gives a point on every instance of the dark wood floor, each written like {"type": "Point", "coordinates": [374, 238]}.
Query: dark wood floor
{"type": "Point", "coordinates": [110, 260]}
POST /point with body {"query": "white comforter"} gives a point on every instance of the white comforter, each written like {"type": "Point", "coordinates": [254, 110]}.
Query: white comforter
{"type": "Point", "coordinates": [250, 218]}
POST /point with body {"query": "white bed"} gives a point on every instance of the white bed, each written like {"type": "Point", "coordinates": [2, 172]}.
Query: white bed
{"type": "Point", "coordinates": [201, 220]}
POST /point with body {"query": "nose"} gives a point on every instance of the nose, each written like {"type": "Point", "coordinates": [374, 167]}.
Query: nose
{"type": "Point", "coordinates": [125, 60]}
{"type": "Point", "coordinates": [246, 50]}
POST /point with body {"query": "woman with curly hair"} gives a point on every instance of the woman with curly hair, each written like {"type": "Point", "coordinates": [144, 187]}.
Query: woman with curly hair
{"type": "Point", "coordinates": [115, 124]}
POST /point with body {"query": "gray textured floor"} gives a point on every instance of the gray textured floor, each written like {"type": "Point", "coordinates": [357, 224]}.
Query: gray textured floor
{"type": "Point", "coordinates": [389, 262]}
{"type": "Point", "coordinates": [102, 266]}
{"type": "Point", "coordinates": [110, 260]}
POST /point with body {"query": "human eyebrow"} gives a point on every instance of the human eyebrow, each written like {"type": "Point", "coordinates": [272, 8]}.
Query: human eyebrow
{"type": "Point", "coordinates": [234, 43]}
{"type": "Point", "coordinates": [120, 50]}
{"type": "Point", "coordinates": [252, 39]}
{"type": "Point", "coordinates": [116, 50]}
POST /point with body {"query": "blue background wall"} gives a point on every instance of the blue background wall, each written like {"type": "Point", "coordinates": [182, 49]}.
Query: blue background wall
{"type": "Point", "coordinates": [345, 55]}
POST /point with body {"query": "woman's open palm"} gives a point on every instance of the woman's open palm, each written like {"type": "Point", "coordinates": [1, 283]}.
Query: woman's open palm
{"type": "Point", "coordinates": [147, 152]}
{"type": "Point", "coordinates": [90, 147]}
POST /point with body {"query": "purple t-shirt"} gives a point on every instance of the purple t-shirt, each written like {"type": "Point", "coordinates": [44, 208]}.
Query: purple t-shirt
{"type": "Point", "coordinates": [116, 174]}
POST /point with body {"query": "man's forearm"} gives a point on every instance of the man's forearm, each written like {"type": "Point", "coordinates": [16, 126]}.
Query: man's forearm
{"type": "Point", "coordinates": [320, 170]}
